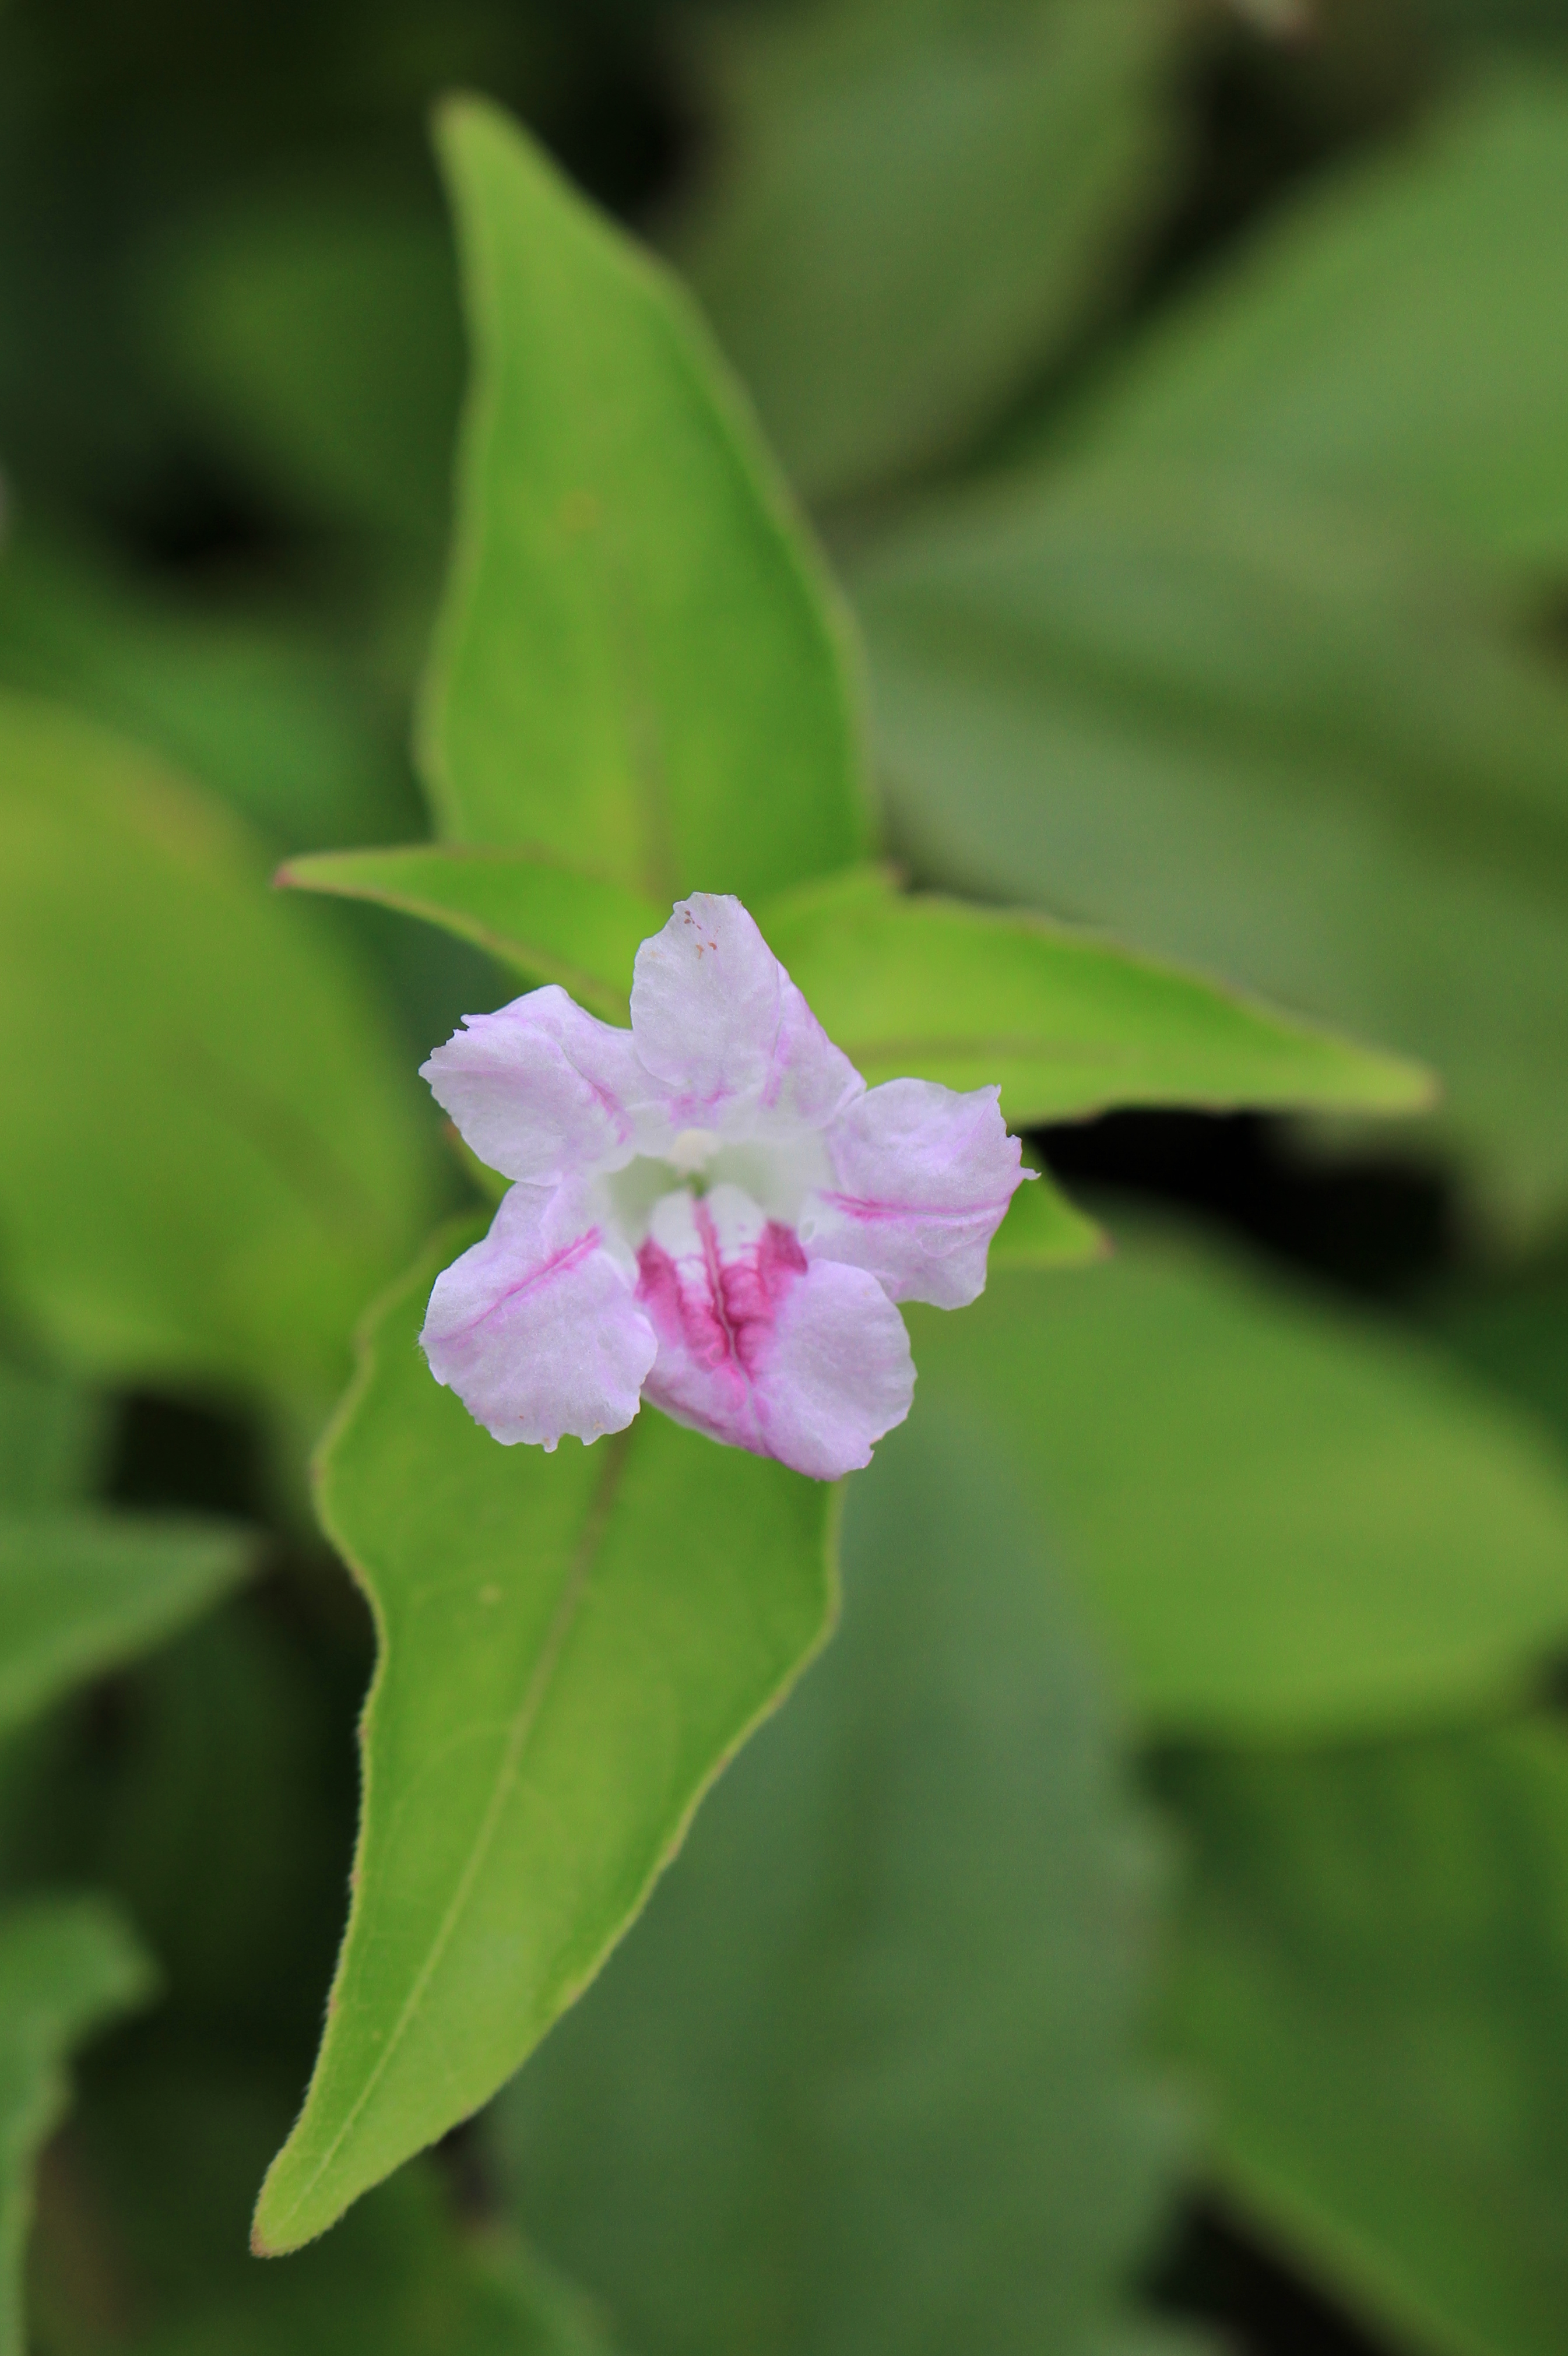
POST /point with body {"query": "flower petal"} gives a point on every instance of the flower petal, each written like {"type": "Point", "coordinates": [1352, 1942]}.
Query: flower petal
{"type": "Point", "coordinates": [719, 1021]}
{"type": "Point", "coordinates": [921, 1176]}
{"type": "Point", "coordinates": [540, 1089]}
{"type": "Point", "coordinates": [806, 1363]}
{"type": "Point", "coordinates": [536, 1328]}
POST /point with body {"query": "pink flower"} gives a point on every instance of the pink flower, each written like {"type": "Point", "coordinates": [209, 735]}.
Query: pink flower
{"type": "Point", "coordinates": [710, 1209]}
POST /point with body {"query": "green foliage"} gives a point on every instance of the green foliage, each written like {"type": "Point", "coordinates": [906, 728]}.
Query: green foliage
{"type": "Point", "coordinates": [66, 1965]}
{"type": "Point", "coordinates": [571, 1646]}
{"type": "Point", "coordinates": [251, 704]}
{"type": "Point", "coordinates": [230, 1726]}
{"type": "Point", "coordinates": [1357, 345]}
{"type": "Point", "coordinates": [80, 1592]}
{"type": "Point", "coordinates": [51, 1438]}
{"type": "Point", "coordinates": [916, 207]}
{"type": "Point", "coordinates": [1260, 733]}
{"type": "Point", "coordinates": [1513, 1333]}
{"type": "Point", "coordinates": [1286, 1519]}
{"type": "Point", "coordinates": [315, 326]}
{"type": "Point", "coordinates": [1216, 666]}
{"type": "Point", "coordinates": [1066, 1024]}
{"type": "Point", "coordinates": [547, 920]}
{"type": "Point", "coordinates": [1373, 1975]}
{"type": "Point", "coordinates": [227, 1066]}
{"type": "Point", "coordinates": [175, 2139]}
{"type": "Point", "coordinates": [1040, 1228]}
{"type": "Point", "coordinates": [1246, 648]}
{"type": "Point", "coordinates": [639, 667]}
{"type": "Point", "coordinates": [864, 2078]}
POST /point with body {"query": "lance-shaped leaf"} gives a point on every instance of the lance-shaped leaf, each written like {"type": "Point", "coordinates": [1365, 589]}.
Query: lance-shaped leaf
{"type": "Point", "coordinates": [80, 1592]}
{"type": "Point", "coordinates": [65, 1966]}
{"type": "Point", "coordinates": [1372, 1978]}
{"type": "Point", "coordinates": [237, 1161]}
{"type": "Point", "coordinates": [1066, 1022]}
{"type": "Point", "coordinates": [640, 665]}
{"type": "Point", "coordinates": [896, 1977]}
{"type": "Point", "coordinates": [571, 1646]}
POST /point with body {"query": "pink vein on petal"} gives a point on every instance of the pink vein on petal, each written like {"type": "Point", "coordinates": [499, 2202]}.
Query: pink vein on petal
{"type": "Point", "coordinates": [870, 1208]}
{"type": "Point", "coordinates": [560, 1263]}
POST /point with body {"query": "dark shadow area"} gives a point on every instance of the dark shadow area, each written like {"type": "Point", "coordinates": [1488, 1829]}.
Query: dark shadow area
{"type": "Point", "coordinates": [1377, 1225]}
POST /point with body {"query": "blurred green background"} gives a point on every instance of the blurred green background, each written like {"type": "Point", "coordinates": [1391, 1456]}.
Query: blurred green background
{"type": "Point", "coordinates": [1182, 392]}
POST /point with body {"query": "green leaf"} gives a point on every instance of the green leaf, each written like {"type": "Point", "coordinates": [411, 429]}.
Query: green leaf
{"type": "Point", "coordinates": [1373, 1978]}
{"type": "Point", "coordinates": [1354, 343]}
{"type": "Point", "coordinates": [571, 1647]}
{"type": "Point", "coordinates": [916, 209]}
{"type": "Point", "coordinates": [213, 1156]}
{"type": "Point", "coordinates": [865, 2077]}
{"type": "Point", "coordinates": [1514, 1334]}
{"type": "Point", "coordinates": [80, 1592]}
{"type": "Point", "coordinates": [52, 1439]}
{"type": "Point", "coordinates": [1265, 731]}
{"type": "Point", "coordinates": [1287, 1519]}
{"type": "Point", "coordinates": [260, 710]}
{"type": "Point", "coordinates": [166, 2153]}
{"type": "Point", "coordinates": [1066, 1024]}
{"type": "Point", "coordinates": [1040, 1228]}
{"type": "Point", "coordinates": [551, 923]}
{"type": "Point", "coordinates": [641, 668]}
{"type": "Point", "coordinates": [65, 1965]}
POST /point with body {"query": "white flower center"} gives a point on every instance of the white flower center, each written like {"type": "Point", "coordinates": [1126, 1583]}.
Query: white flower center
{"type": "Point", "coordinates": [693, 1150]}
{"type": "Point", "coordinates": [777, 1175]}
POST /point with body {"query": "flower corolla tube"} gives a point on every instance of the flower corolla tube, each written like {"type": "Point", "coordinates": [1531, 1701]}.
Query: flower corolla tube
{"type": "Point", "coordinates": [711, 1210]}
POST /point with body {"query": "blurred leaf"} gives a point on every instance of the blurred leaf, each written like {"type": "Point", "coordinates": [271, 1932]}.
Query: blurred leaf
{"type": "Point", "coordinates": [1400, 334]}
{"type": "Point", "coordinates": [916, 208]}
{"type": "Point", "coordinates": [1374, 1978]}
{"type": "Point", "coordinates": [1265, 733]}
{"type": "Point", "coordinates": [166, 2155]}
{"type": "Point", "coordinates": [65, 1965]}
{"type": "Point", "coordinates": [1042, 1229]}
{"type": "Point", "coordinates": [572, 1646]}
{"type": "Point", "coordinates": [219, 1813]}
{"type": "Point", "coordinates": [1490, 21]}
{"type": "Point", "coordinates": [1288, 1519]}
{"type": "Point", "coordinates": [314, 326]}
{"type": "Point", "coordinates": [80, 1592]}
{"type": "Point", "coordinates": [641, 666]}
{"type": "Point", "coordinates": [865, 2081]}
{"type": "Point", "coordinates": [1066, 1024]}
{"type": "Point", "coordinates": [258, 711]}
{"type": "Point", "coordinates": [212, 1157]}
{"type": "Point", "coordinates": [1516, 1334]}
{"type": "Point", "coordinates": [52, 1437]}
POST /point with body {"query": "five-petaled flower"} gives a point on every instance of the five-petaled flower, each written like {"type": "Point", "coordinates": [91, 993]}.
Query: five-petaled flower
{"type": "Point", "coordinates": [710, 1209]}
